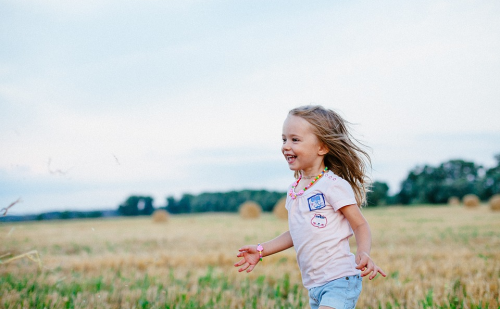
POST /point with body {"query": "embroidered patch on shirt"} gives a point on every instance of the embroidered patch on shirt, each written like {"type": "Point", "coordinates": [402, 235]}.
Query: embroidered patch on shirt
{"type": "Point", "coordinates": [319, 221]}
{"type": "Point", "coordinates": [332, 178]}
{"type": "Point", "coordinates": [316, 202]}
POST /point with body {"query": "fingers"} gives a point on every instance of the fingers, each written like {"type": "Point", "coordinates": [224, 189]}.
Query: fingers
{"type": "Point", "coordinates": [372, 270]}
{"type": "Point", "coordinates": [247, 262]}
{"type": "Point", "coordinates": [250, 268]}
{"type": "Point", "coordinates": [368, 267]}
{"type": "Point", "coordinates": [245, 248]}
{"type": "Point", "coordinates": [361, 265]}
{"type": "Point", "coordinates": [373, 275]}
{"type": "Point", "coordinates": [241, 262]}
{"type": "Point", "coordinates": [381, 272]}
{"type": "Point", "coordinates": [363, 261]}
{"type": "Point", "coordinates": [244, 265]}
{"type": "Point", "coordinates": [367, 270]}
{"type": "Point", "coordinates": [375, 272]}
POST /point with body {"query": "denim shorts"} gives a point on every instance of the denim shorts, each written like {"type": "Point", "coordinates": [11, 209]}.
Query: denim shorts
{"type": "Point", "coordinates": [340, 293]}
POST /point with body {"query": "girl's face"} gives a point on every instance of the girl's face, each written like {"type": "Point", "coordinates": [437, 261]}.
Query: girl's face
{"type": "Point", "coordinates": [302, 149]}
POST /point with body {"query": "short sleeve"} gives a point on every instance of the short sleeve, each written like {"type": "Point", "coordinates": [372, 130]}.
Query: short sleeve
{"type": "Point", "coordinates": [339, 193]}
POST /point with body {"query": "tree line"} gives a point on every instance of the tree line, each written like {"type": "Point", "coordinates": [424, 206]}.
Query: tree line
{"type": "Point", "coordinates": [429, 184]}
{"type": "Point", "coordinates": [454, 178]}
{"type": "Point", "coordinates": [424, 185]}
{"type": "Point", "coordinates": [204, 202]}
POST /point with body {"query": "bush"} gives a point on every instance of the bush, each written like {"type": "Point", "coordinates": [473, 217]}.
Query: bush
{"type": "Point", "coordinates": [495, 202]}
{"type": "Point", "coordinates": [279, 209]}
{"type": "Point", "coordinates": [250, 210]}
{"type": "Point", "coordinates": [160, 216]}
{"type": "Point", "coordinates": [471, 201]}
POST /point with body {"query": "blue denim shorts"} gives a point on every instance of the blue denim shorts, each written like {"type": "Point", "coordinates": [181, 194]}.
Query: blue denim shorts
{"type": "Point", "coordinates": [340, 293]}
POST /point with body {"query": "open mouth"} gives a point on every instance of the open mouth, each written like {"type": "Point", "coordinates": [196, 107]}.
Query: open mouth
{"type": "Point", "coordinates": [290, 159]}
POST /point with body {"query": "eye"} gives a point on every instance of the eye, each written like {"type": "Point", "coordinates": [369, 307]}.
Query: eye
{"type": "Point", "coordinates": [295, 139]}
{"type": "Point", "coordinates": [284, 140]}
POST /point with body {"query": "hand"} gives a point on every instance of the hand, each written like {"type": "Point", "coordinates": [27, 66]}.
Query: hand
{"type": "Point", "coordinates": [250, 258]}
{"type": "Point", "coordinates": [367, 266]}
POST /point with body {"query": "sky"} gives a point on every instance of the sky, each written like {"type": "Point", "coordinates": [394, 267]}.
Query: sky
{"type": "Point", "coordinates": [100, 100]}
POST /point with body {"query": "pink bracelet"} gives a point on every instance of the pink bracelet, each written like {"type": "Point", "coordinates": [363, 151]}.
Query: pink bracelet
{"type": "Point", "coordinates": [260, 249]}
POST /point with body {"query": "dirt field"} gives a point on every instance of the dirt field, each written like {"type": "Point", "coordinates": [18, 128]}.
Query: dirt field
{"type": "Point", "coordinates": [435, 257]}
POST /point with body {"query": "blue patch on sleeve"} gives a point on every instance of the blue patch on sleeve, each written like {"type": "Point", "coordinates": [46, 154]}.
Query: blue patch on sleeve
{"type": "Point", "coordinates": [316, 202]}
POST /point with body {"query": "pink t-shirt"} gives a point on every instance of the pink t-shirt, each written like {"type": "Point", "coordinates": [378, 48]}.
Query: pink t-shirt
{"type": "Point", "coordinates": [320, 232]}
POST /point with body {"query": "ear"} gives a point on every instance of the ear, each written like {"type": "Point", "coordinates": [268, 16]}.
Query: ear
{"type": "Point", "coordinates": [322, 150]}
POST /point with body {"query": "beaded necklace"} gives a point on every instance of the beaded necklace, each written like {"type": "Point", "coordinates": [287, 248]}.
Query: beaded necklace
{"type": "Point", "coordinates": [294, 195]}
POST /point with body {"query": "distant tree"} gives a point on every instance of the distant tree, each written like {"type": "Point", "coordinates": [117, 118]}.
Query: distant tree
{"type": "Point", "coordinates": [129, 207]}
{"type": "Point", "coordinates": [181, 206]}
{"type": "Point", "coordinates": [430, 184]}
{"type": "Point", "coordinates": [65, 215]}
{"type": "Point", "coordinates": [185, 203]}
{"type": "Point", "coordinates": [378, 194]}
{"type": "Point", "coordinates": [490, 182]}
{"type": "Point", "coordinates": [94, 214]}
{"type": "Point", "coordinates": [218, 201]}
{"type": "Point", "coordinates": [146, 206]}
{"type": "Point", "coordinates": [136, 205]}
{"type": "Point", "coordinates": [171, 205]}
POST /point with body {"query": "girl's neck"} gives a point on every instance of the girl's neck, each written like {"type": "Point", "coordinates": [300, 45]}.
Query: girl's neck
{"type": "Point", "coordinates": [312, 172]}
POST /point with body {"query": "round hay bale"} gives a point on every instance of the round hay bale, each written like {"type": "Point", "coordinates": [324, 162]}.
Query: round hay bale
{"type": "Point", "coordinates": [453, 201]}
{"type": "Point", "coordinates": [160, 216]}
{"type": "Point", "coordinates": [471, 201]}
{"type": "Point", "coordinates": [250, 210]}
{"type": "Point", "coordinates": [495, 202]}
{"type": "Point", "coordinates": [279, 209]}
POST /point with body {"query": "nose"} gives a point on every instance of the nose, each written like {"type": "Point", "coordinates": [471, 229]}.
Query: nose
{"type": "Point", "coordinates": [285, 146]}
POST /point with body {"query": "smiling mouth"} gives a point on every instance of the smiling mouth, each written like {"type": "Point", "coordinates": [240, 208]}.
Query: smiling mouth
{"type": "Point", "coordinates": [290, 158]}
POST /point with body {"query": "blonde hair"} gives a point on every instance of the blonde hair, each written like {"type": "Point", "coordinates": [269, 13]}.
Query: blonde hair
{"type": "Point", "coordinates": [345, 156]}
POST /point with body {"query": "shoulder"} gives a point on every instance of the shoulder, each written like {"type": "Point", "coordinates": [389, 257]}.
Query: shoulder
{"type": "Point", "coordinates": [334, 181]}
{"type": "Point", "coordinates": [338, 191]}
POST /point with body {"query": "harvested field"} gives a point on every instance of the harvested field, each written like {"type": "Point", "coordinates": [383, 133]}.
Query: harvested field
{"type": "Point", "coordinates": [435, 257]}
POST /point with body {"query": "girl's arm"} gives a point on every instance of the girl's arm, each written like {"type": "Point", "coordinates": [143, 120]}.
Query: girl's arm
{"type": "Point", "coordinates": [363, 240]}
{"type": "Point", "coordinates": [250, 255]}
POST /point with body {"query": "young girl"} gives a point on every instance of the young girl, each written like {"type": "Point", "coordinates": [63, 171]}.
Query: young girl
{"type": "Point", "coordinates": [323, 209]}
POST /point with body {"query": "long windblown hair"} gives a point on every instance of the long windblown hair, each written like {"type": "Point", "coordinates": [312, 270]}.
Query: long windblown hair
{"type": "Point", "coordinates": [345, 157]}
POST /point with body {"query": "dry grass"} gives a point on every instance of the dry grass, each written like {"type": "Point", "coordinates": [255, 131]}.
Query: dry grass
{"type": "Point", "coordinates": [250, 210]}
{"type": "Point", "coordinates": [435, 257]}
{"type": "Point", "coordinates": [31, 255]}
